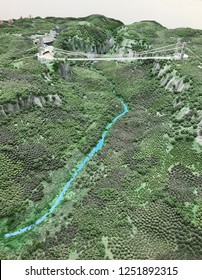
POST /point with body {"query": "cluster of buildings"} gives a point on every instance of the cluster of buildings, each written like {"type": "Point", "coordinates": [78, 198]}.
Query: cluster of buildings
{"type": "Point", "coordinates": [44, 43]}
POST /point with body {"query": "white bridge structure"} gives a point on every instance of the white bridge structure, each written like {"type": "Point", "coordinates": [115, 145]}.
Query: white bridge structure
{"type": "Point", "coordinates": [170, 52]}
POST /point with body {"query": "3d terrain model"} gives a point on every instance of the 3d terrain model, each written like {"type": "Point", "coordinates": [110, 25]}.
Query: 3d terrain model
{"type": "Point", "coordinates": [100, 140]}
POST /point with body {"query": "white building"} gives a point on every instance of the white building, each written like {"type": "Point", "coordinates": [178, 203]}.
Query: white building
{"type": "Point", "coordinates": [46, 55]}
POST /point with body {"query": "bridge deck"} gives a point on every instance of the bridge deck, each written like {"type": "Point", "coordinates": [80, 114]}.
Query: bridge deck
{"type": "Point", "coordinates": [119, 58]}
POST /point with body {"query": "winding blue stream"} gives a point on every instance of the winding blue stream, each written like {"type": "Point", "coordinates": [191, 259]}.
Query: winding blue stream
{"type": "Point", "coordinates": [83, 163]}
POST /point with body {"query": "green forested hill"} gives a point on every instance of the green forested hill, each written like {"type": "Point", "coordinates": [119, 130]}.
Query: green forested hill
{"type": "Point", "coordinates": [140, 197]}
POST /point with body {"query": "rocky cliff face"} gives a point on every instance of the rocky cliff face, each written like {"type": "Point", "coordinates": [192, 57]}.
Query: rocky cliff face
{"type": "Point", "coordinates": [87, 46]}
{"type": "Point", "coordinates": [19, 104]}
{"type": "Point", "coordinates": [170, 79]}
{"type": "Point", "coordinates": [65, 71]}
{"type": "Point", "coordinates": [199, 130]}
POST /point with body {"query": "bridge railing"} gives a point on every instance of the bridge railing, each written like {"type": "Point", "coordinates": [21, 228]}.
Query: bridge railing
{"type": "Point", "coordinates": [171, 51]}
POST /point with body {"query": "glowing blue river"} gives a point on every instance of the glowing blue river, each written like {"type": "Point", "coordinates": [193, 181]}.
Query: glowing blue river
{"type": "Point", "coordinates": [83, 163]}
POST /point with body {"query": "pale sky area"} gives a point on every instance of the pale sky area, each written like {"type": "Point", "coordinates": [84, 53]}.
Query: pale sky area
{"type": "Point", "coordinates": [170, 13]}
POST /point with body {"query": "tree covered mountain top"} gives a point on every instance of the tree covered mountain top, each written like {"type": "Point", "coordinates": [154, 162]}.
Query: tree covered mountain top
{"type": "Point", "coordinates": [38, 24]}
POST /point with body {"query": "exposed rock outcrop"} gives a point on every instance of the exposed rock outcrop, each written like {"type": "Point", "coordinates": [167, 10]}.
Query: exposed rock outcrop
{"type": "Point", "coordinates": [65, 71]}
{"type": "Point", "coordinates": [19, 104]}
{"type": "Point", "coordinates": [199, 129]}
{"type": "Point", "coordinates": [171, 80]}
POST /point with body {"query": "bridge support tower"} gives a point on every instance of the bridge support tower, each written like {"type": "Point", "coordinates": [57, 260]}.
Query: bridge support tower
{"type": "Point", "coordinates": [182, 50]}
{"type": "Point", "coordinates": [178, 47]}
{"type": "Point", "coordinates": [40, 45]}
